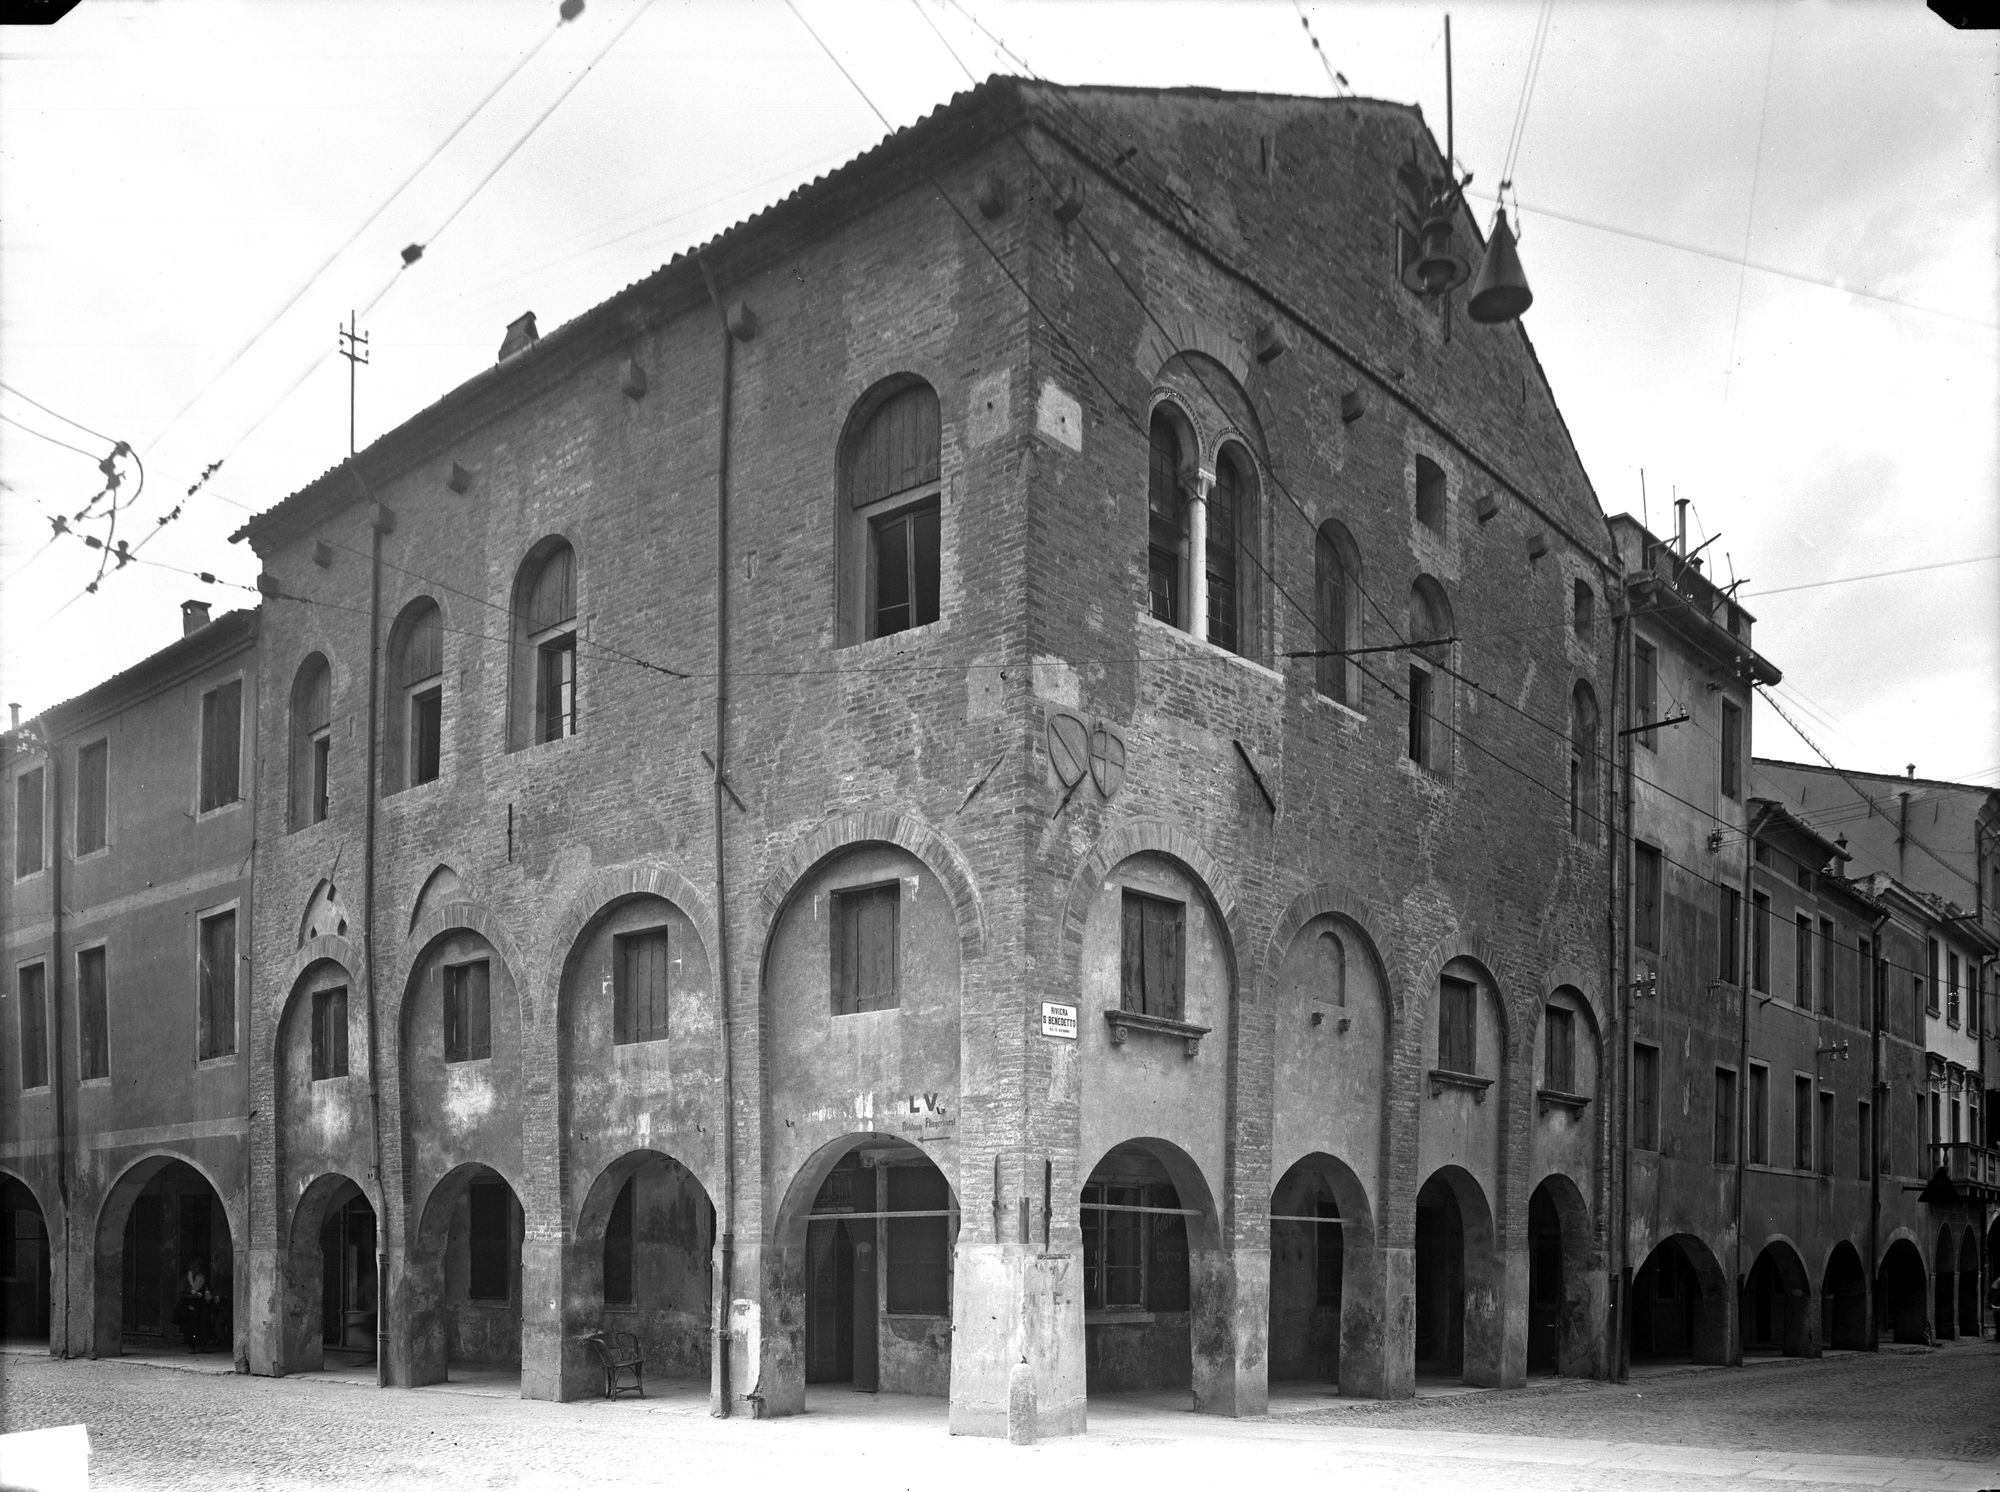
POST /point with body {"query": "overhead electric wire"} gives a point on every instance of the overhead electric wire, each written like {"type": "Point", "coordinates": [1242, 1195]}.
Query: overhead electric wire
{"type": "Point", "coordinates": [1750, 213]}
{"type": "Point", "coordinates": [1529, 76]}
{"type": "Point", "coordinates": [58, 414]}
{"type": "Point", "coordinates": [90, 456]}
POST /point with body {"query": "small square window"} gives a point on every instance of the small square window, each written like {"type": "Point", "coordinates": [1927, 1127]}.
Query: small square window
{"type": "Point", "coordinates": [468, 1017]}
{"type": "Point", "coordinates": [863, 938]}
{"type": "Point", "coordinates": [1152, 956]}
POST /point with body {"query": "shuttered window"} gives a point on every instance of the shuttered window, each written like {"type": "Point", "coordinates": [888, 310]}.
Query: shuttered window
{"type": "Point", "coordinates": [1165, 531]}
{"type": "Point", "coordinates": [421, 654]}
{"type": "Point", "coordinates": [1458, 1028]}
{"type": "Point", "coordinates": [1759, 1116]}
{"type": "Point", "coordinates": [34, 1016]}
{"type": "Point", "coordinates": [1227, 515]}
{"type": "Point", "coordinates": [552, 598]}
{"type": "Point", "coordinates": [216, 1021]}
{"type": "Point", "coordinates": [221, 744]}
{"type": "Point", "coordinates": [28, 823]}
{"type": "Point", "coordinates": [639, 986]}
{"type": "Point", "coordinates": [898, 450]}
{"type": "Point", "coordinates": [468, 1026]}
{"type": "Point", "coordinates": [93, 791]}
{"type": "Point", "coordinates": [92, 1029]}
{"type": "Point", "coordinates": [1725, 1116]}
{"type": "Point", "coordinates": [864, 948]}
{"type": "Point", "coordinates": [329, 1033]}
{"type": "Point", "coordinates": [1646, 897]}
{"type": "Point", "coordinates": [1646, 1097]}
{"type": "Point", "coordinates": [1153, 956]}
{"type": "Point", "coordinates": [1802, 1124]}
{"type": "Point", "coordinates": [1559, 1069]}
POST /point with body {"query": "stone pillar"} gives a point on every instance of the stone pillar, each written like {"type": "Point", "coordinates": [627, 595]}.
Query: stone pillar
{"type": "Point", "coordinates": [1399, 1323]}
{"type": "Point", "coordinates": [1511, 1273]}
{"type": "Point", "coordinates": [544, 1334]}
{"type": "Point", "coordinates": [1197, 589]}
{"type": "Point", "coordinates": [266, 1326]}
{"type": "Point", "coordinates": [1230, 1301]}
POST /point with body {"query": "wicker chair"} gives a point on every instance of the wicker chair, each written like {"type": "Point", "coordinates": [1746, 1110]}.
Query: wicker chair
{"type": "Point", "coordinates": [619, 1354]}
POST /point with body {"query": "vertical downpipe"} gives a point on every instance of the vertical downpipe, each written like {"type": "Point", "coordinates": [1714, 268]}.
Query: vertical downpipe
{"type": "Point", "coordinates": [1878, 1116]}
{"type": "Point", "coordinates": [378, 521]}
{"type": "Point", "coordinates": [726, 1272]}
{"type": "Point", "coordinates": [1622, 966]}
{"type": "Point", "coordinates": [1613, 1133]}
{"type": "Point", "coordinates": [1747, 908]}
{"type": "Point", "coordinates": [59, 1083]}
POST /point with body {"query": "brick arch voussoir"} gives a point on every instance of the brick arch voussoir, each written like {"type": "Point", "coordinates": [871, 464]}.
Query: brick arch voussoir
{"type": "Point", "coordinates": [1329, 901]}
{"type": "Point", "coordinates": [1156, 836]}
{"type": "Point", "coordinates": [1787, 1245]}
{"type": "Point", "coordinates": [1187, 331]}
{"type": "Point", "coordinates": [454, 916]}
{"type": "Point", "coordinates": [119, 1194]}
{"type": "Point", "coordinates": [326, 948]}
{"type": "Point", "coordinates": [1417, 997]}
{"type": "Point", "coordinates": [1565, 975]}
{"type": "Point", "coordinates": [314, 1190]}
{"type": "Point", "coordinates": [940, 855]}
{"type": "Point", "coordinates": [606, 887]}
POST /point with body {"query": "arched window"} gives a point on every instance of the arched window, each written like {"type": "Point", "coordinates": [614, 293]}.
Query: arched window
{"type": "Point", "coordinates": [1336, 612]}
{"type": "Point", "coordinates": [312, 741]}
{"type": "Point", "coordinates": [1582, 762]}
{"type": "Point", "coordinates": [1166, 519]}
{"type": "Point", "coordinates": [1430, 495]}
{"type": "Point", "coordinates": [1430, 686]}
{"type": "Point", "coordinates": [1333, 967]}
{"type": "Point", "coordinates": [545, 679]}
{"type": "Point", "coordinates": [1232, 553]}
{"type": "Point", "coordinates": [891, 522]}
{"type": "Point", "coordinates": [414, 735]}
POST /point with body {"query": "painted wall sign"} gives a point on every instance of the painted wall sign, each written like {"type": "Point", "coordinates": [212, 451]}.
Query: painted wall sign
{"type": "Point", "coordinates": [1107, 761]}
{"type": "Point", "coordinates": [1058, 1020]}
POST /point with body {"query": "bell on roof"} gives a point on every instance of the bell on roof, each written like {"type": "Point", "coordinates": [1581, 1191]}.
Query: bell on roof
{"type": "Point", "coordinates": [1500, 290]}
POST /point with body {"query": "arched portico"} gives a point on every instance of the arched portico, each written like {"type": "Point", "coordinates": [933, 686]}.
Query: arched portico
{"type": "Point", "coordinates": [1900, 1290]}
{"type": "Point", "coordinates": [24, 1288]}
{"type": "Point", "coordinates": [1775, 1314]}
{"type": "Point", "coordinates": [460, 1291]}
{"type": "Point", "coordinates": [1457, 1306]}
{"type": "Point", "coordinates": [1680, 1304]}
{"type": "Point", "coordinates": [1844, 1300]}
{"type": "Point", "coordinates": [1944, 1285]}
{"type": "Point", "coordinates": [1326, 1279]}
{"type": "Point", "coordinates": [160, 1218]}
{"type": "Point", "coordinates": [1565, 1301]}
{"type": "Point", "coordinates": [330, 1300]}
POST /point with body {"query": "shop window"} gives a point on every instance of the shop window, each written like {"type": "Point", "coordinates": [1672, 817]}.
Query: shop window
{"type": "Point", "coordinates": [864, 947]}
{"type": "Point", "coordinates": [1133, 1258]}
{"type": "Point", "coordinates": [311, 741]}
{"type": "Point", "coordinates": [891, 522]}
{"type": "Point", "coordinates": [639, 986]}
{"type": "Point", "coordinates": [1336, 613]}
{"type": "Point", "coordinates": [221, 745]}
{"type": "Point", "coordinates": [329, 1033]}
{"type": "Point", "coordinates": [544, 705]}
{"type": "Point", "coordinates": [33, 987]}
{"type": "Point", "coordinates": [216, 1021]}
{"type": "Point", "coordinates": [1458, 1025]}
{"type": "Point", "coordinates": [93, 1057]}
{"type": "Point", "coordinates": [468, 1012]}
{"type": "Point", "coordinates": [28, 799]}
{"type": "Point", "coordinates": [93, 795]}
{"type": "Point", "coordinates": [1152, 956]}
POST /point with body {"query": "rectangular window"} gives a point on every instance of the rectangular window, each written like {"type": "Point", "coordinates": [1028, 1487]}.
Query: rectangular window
{"type": "Point", "coordinates": [1560, 1050]}
{"type": "Point", "coordinates": [34, 988]}
{"type": "Point", "coordinates": [93, 794]}
{"type": "Point", "coordinates": [1930, 987]}
{"type": "Point", "coordinates": [1646, 1097]}
{"type": "Point", "coordinates": [1420, 715]}
{"type": "Point", "coordinates": [1458, 1031]}
{"type": "Point", "coordinates": [1951, 988]}
{"type": "Point", "coordinates": [1802, 1124]}
{"type": "Point", "coordinates": [639, 986]}
{"type": "Point", "coordinates": [1222, 570]}
{"type": "Point", "coordinates": [221, 744]}
{"type": "Point", "coordinates": [93, 1054]}
{"type": "Point", "coordinates": [28, 823]}
{"type": "Point", "coordinates": [215, 1035]}
{"type": "Point", "coordinates": [917, 1250]}
{"type": "Point", "coordinates": [1645, 691]}
{"type": "Point", "coordinates": [906, 568]}
{"type": "Point", "coordinates": [1729, 935]}
{"type": "Point", "coordinates": [1164, 531]}
{"type": "Point", "coordinates": [1725, 1116]}
{"type": "Point", "coordinates": [1732, 751]}
{"type": "Point", "coordinates": [1132, 1258]}
{"type": "Point", "coordinates": [1152, 956]}
{"type": "Point", "coordinates": [1864, 1138]}
{"type": "Point", "coordinates": [426, 734]}
{"type": "Point", "coordinates": [322, 766]}
{"type": "Point", "coordinates": [1826, 1134]}
{"type": "Point", "coordinates": [618, 1250]}
{"type": "Point", "coordinates": [1825, 955]}
{"type": "Point", "coordinates": [468, 1012]}
{"type": "Point", "coordinates": [1760, 941]}
{"type": "Point", "coordinates": [329, 1033]}
{"type": "Point", "coordinates": [1802, 962]}
{"type": "Point", "coordinates": [555, 688]}
{"type": "Point", "coordinates": [1646, 897]}
{"type": "Point", "coordinates": [490, 1235]}
{"type": "Point", "coordinates": [1759, 1116]}
{"type": "Point", "coordinates": [864, 946]}
{"type": "Point", "coordinates": [1917, 1167]}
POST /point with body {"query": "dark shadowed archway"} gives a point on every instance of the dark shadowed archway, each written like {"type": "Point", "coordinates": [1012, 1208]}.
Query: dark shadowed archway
{"type": "Point", "coordinates": [159, 1220]}
{"type": "Point", "coordinates": [1457, 1305]}
{"type": "Point", "coordinates": [1775, 1313]}
{"type": "Point", "coordinates": [461, 1292]}
{"type": "Point", "coordinates": [1900, 1290]}
{"type": "Point", "coordinates": [1844, 1300]}
{"type": "Point", "coordinates": [329, 1300]}
{"type": "Point", "coordinates": [1560, 1329]}
{"type": "Point", "coordinates": [1944, 1286]}
{"type": "Point", "coordinates": [1326, 1287]}
{"type": "Point", "coordinates": [1680, 1304]}
{"type": "Point", "coordinates": [24, 1265]}
{"type": "Point", "coordinates": [644, 1262]}
{"type": "Point", "coordinates": [1969, 1282]}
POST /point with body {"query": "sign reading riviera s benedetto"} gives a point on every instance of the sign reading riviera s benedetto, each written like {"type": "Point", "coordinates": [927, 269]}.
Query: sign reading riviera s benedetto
{"type": "Point", "coordinates": [1058, 1020]}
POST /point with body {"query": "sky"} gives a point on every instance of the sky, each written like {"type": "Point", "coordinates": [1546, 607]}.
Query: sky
{"type": "Point", "coordinates": [1762, 240]}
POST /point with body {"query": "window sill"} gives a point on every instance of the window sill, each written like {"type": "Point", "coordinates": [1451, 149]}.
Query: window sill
{"type": "Point", "coordinates": [333, 1077]}
{"type": "Point", "coordinates": [97, 1082]}
{"type": "Point", "coordinates": [1338, 707]}
{"type": "Point", "coordinates": [88, 855]}
{"type": "Point", "coordinates": [203, 815]}
{"type": "Point", "coordinates": [220, 1059]}
{"type": "Point", "coordinates": [1123, 1022]}
{"type": "Point", "coordinates": [1147, 619]}
{"type": "Point", "coordinates": [1556, 1098]}
{"type": "Point", "coordinates": [1116, 1316]}
{"type": "Point", "coordinates": [889, 641]}
{"type": "Point", "coordinates": [1442, 1078]}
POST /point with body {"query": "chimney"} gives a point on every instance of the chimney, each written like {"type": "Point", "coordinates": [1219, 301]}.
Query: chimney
{"type": "Point", "coordinates": [521, 335]}
{"type": "Point", "coordinates": [194, 616]}
{"type": "Point", "coordinates": [15, 711]}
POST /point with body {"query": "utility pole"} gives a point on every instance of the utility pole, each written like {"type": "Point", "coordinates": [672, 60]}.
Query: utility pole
{"type": "Point", "coordinates": [353, 347]}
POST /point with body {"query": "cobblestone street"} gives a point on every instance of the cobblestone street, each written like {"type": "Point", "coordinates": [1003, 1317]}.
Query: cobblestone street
{"type": "Point", "coordinates": [1898, 1419]}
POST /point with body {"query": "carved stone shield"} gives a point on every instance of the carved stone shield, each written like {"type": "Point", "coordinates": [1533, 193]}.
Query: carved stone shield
{"type": "Point", "coordinates": [1107, 761]}
{"type": "Point", "coordinates": [1069, 748]}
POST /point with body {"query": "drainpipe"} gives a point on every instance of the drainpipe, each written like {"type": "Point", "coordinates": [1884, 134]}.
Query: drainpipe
{"type": "Point", "coordinates": [59, 1085]}
{"type": "Point", "coordinates": [381, 521]}
{"type": "Point", "coordinates": [1878, 1112]}
{"type": "Point", "coordinates": [726, 1272]}
{"type": "Point", "coordinates": [1748, 908]}
{"type": "Point", "coordinates": [1621, 964]}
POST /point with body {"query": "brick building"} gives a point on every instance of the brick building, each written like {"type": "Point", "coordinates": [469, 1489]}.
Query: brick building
{"type": "Point", "coordinates": [124, 1155]}
{"type": "Point", "coordinates": [992, 786]}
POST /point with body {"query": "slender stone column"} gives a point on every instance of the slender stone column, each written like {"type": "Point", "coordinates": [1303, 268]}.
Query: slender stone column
{"type": "Point", "coordinates": [1197, 588]}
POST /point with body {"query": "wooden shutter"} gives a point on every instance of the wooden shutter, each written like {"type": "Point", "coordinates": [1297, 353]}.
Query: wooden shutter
{"type": "Point", "coordinates": [640, 989]}
{"type": "Point", "coordinates": [217, 1018]}
{"type": "Point", "coordinates": [95, 1056]}
{"type": "Point", "coordinates": [92, 785]}
{"type": "Point", "coordinates": [221, 743]}
{"type": "Point", "coordinates": [552, 598]}
{"type": "Point", "coordinates": [422, 653]}
{"type": "Point", "coordinates": [898, 450]}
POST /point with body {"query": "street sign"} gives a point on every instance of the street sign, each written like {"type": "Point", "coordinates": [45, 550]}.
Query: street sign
{"type": "Point", "coordinates": [1059, 1020]}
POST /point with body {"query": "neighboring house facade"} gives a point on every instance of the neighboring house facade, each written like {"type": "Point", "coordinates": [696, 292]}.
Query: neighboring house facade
{"type": "Point", "coordinates": [126, 921]}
